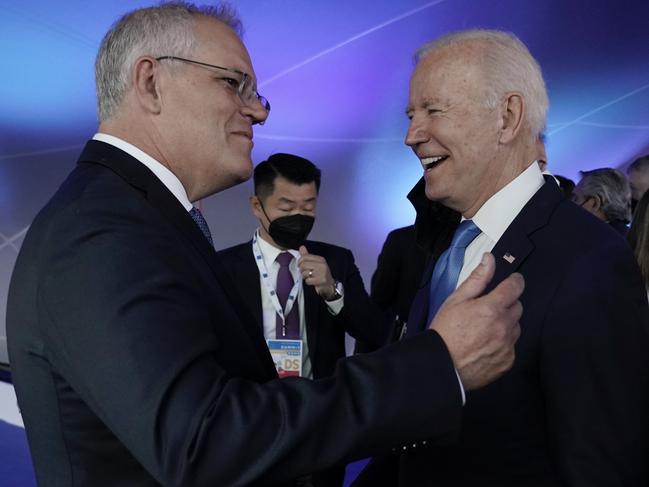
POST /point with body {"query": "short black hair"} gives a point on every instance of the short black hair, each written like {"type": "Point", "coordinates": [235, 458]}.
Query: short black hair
{"type": "Point", "coordinates": [294, 169]}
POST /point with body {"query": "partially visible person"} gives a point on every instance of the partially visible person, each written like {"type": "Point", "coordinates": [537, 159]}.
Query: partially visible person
{"type": "Point", "coordinates": [567, 185]}
{"type": "Point", "coordinates": [573, 409]}
{"type": "Point", "coordinates": [606, 194]}
{"type": "Point", "coordinates": [297, 289]}
{"type": "Point", "coordinates": [639, 237]}
{"type": "Point", "coordinates": [638, 174]}
{"type": "Point", "coordinates": [396, 279]}
{"type": "Point", "coordinates": [135, 362]}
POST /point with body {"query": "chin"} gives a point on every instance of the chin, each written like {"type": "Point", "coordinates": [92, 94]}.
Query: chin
{"type": "Point", "coordinates": [431, 194]}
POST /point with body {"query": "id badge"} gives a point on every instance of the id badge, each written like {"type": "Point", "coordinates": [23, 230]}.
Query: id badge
{"type": "Point", "coordinates": [287, 355]}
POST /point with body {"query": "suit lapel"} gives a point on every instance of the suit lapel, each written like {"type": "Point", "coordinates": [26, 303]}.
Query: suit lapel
{"type": "Point", "coordinates": [515, 245]}
{"type": "Point", "coordinates": [157, 194]}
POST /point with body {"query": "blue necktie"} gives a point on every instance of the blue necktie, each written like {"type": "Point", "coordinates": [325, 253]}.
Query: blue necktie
{"type": "Point", "coordinates": [447, 269]}
{"type": "Point", "coordinates": [197, 216]}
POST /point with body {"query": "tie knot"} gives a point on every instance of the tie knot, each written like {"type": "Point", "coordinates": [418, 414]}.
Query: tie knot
{"type": "Point", "coordinates": [465, 234]}
{"type": "Point", "coordinates": [284, 259]}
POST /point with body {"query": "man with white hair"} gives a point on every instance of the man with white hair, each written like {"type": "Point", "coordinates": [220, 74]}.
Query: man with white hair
{"type": "Point", "coordinates": [606, 194]}
{"type": "Point", "coordinates": [573, 409]}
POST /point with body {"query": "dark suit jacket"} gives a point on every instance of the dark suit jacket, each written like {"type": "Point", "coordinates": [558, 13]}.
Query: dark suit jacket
{"type": "Point", "coordinates": [136, 364]}
{"type": "Point", "coordinates": [325, 332]}
{"type": "Point", "coordinates": [396, 280]}
{"type": "Point", "coordinates": [398, 272]}
{"type": "Point", "coordinates": [573, 409]}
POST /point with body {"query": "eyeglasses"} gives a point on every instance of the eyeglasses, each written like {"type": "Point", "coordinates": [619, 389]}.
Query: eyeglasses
{"type": "Point", "coordinates": [243, 83]}
{"type": "Point", "coordinates": [579, 199]}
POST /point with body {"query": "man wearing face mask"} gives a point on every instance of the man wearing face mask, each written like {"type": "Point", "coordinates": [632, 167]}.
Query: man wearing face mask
{"type": "Point", "coordinates": [305, 294]}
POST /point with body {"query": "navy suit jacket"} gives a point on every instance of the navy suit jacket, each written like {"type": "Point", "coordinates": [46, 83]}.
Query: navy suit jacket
{"type": "Point", "coordinates": [573, 409]}
{"type": "Point", "coordinates": [135, 362]}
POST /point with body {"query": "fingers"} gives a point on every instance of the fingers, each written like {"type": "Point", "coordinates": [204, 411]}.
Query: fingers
{"type": "Point", "coordinates": [303, 251]}
{"type": "Point", "coordinates": [481, 331]}
{"type": "Point", "coordinates": [476, 283]}
{"type": "Point", "coordinates": [508, 292]}
{"type": "Point", "coordinates": [315, 270]}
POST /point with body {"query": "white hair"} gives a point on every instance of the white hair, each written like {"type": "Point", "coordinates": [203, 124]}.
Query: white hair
{"type": "Point", "coordinates": [166, 30]}
{"type": "Point", "coordinates": [613, 190]}
{"type": "Point", "coordinates": [507, 66]}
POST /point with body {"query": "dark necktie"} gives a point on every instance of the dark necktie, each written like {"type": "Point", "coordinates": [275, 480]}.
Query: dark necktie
{"type": "Point", "coordinates": [290, 328]}
{"type": "Point", "coordinates": [197, 216]}
{"type": "Point", "coordinates": [447, 268]}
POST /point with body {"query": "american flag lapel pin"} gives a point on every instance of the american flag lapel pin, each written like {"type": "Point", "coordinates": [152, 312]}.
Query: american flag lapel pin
{"type": "Point", "coordinates": [509, 258]}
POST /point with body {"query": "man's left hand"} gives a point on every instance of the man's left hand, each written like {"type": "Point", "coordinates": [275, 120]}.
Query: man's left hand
{"type": "Point", "coordinates": [315, 272]}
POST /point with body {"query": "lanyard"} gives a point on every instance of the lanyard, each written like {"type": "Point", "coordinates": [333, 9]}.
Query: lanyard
{"type": "Point", "coordinates": [269, 286]}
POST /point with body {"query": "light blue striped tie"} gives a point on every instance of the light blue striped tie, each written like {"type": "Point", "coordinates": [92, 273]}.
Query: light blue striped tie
{"type": "Point", "coordinates": [447, 269]}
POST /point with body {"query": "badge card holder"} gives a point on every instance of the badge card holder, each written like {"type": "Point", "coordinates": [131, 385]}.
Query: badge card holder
{"type": "Point", "coordinates": [287, 355]}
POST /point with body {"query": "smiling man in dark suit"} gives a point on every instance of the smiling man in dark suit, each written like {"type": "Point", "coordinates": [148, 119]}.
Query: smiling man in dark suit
{"type": "Point", "coordinates": [135, 362]}
{"type": "Point", "coordinates": [573, 409]}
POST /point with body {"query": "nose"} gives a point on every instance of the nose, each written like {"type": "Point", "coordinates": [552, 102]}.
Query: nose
{"type": "Point", "coordinates": [416, 133]}
{"type": "Point", "coordinates": [255, 112]}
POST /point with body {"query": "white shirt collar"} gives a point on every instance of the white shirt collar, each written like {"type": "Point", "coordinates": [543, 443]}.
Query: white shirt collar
{"type": "Point", "coordinates": [167, 178]}
{"type": "Point", "coordinates": [269, 252]}
{"type": "Point", "coordinates": [499, 211]}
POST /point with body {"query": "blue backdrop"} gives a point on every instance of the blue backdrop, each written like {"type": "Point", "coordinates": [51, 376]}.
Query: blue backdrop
{"type": "Point", "coordinates": [336, 73]}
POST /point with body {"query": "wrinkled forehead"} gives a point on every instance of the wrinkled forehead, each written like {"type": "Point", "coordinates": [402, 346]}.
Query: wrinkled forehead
{"type": "Point", "coordinates": [217, 43]}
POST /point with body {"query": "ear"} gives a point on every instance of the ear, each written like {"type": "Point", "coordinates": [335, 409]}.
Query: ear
{"type": "Point", "coordinates": [146, 84]}
{"type": "Point", "coordinates": [513, 110]}
{"type": "Point", "coordinates": [596, 204]}
{"type": "Point", "coordinates": [256, 207]}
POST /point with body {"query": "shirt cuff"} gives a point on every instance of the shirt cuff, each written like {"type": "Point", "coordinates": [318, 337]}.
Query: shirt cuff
{"type": "Point", "coordinates": [335, 307]}
{"type": "Point", "coordinates": [461, 387]}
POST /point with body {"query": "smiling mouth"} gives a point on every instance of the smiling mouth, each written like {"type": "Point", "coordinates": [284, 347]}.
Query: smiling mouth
{"type": "Point", "coordinates": [429, 163]}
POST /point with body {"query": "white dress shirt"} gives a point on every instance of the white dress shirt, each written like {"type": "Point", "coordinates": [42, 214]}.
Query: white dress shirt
{"type": "Point", "coordinates": [269, 253]}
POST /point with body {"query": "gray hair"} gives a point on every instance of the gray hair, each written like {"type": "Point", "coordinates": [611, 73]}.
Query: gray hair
{"type": "Point", "coordinates": [613, 190]}
{"type": "Point", "coordinates": [507, 66]}
{"type": "Point", "coordinates": [165, 30]}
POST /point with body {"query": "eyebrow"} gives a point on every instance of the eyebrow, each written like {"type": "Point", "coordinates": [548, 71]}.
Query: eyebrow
{"type": "Point", "coordinates": [287, 200]}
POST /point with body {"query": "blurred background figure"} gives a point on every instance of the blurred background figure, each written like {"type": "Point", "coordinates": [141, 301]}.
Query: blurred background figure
{"type": "Point", "coordinates": [638, 174]}
{"type": "Point", "coordinates": [398, 274]}
{"type": "Point", "coordinates": [606, 194]}
{"type": "Point", "coordinates": [567, 185]}
{"type": "Point", "coordinates": [639, 237]}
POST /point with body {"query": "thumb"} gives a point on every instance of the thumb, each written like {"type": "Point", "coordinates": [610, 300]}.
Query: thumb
{"type": "Point", "coordinates": [477, 282]}
{"type": "Point", "coordinates": [303, 250]}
